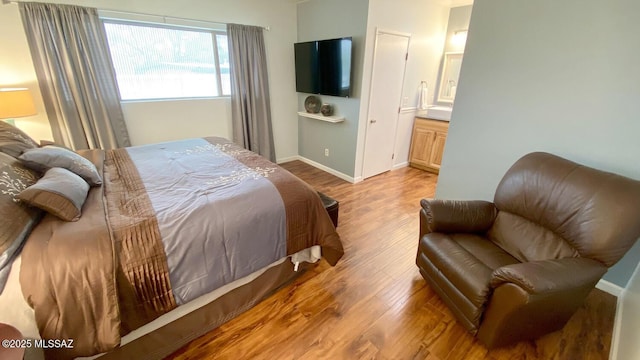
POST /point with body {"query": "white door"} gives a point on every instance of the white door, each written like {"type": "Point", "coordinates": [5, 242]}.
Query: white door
{"type": "Point", "coordinates": [387, 79]}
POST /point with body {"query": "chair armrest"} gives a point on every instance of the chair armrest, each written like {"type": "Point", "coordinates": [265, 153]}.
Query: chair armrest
{"type": "Point", "coordinates": [537, 277]}
{"type": "Point", "coordinates": [456, 216]}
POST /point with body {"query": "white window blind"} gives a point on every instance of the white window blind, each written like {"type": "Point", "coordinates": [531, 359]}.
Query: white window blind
{"type": "Point", "coordinates": [158, 61]}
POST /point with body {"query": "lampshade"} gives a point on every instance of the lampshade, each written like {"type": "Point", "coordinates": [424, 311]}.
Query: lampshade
{"type": "Point", "coordinates": [16, 103]}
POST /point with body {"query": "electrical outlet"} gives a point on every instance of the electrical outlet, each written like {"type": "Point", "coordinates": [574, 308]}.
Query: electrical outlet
{"type": "Point", "coordinates": [326, 152]}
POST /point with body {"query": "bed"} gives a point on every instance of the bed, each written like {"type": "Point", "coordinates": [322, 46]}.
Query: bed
{"type": "Point", "coordinates": [171, 241]}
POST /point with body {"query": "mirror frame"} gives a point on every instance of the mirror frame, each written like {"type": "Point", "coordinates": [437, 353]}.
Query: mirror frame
{"type": "Point", "coordinates": [446, 68]}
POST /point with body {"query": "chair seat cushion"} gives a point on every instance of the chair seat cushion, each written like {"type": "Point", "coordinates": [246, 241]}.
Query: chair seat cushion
{"type": "Point", "coordinates": [461, 266]}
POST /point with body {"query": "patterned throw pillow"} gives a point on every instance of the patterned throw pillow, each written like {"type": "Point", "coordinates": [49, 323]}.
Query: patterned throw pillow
{"type": "Point", "coordinates": [16, 218]}
{"type": "Point", "coordinates": [45, 158]}
{"type": "Point", "coordinates": [14, 141]}
{"type": "Point", "coordinates": [59, 192]}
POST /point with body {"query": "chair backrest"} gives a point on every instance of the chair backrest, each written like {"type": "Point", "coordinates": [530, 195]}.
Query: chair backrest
{"type": "Point", "coordinates": [551, 208]}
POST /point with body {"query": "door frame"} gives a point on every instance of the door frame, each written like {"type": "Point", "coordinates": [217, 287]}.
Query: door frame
{"type": "Point", "coordinates": [380, 31]}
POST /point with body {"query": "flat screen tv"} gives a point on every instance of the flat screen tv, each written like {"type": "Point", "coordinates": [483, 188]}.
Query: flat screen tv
{"type": "Point", "coordinates": [324, 67]}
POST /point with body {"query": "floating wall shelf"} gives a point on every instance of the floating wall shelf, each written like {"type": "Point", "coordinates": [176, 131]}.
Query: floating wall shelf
{"type": "Point", "coordinates": [331, 119]}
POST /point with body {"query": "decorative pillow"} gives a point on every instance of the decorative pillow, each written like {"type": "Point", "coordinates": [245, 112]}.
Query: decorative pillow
{"type": "Point", "coordinates": [16, 218]}
{"type": "Point", "coordinates": [14, 141]}
{"type": "Point", "coordinates": [59, 192]}
{"type": "Point", "coordinates": [44, 158]}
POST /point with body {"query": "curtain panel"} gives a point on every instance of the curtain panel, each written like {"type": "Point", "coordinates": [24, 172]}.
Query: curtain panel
{"type": "Point", "coordinates": [73, 64]}
{"type": "Point", "coordinates": [250, 102]}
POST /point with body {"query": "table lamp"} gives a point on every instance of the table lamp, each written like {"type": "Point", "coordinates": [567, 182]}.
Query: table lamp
{"type": "Point", "coordinates": [14, 103]}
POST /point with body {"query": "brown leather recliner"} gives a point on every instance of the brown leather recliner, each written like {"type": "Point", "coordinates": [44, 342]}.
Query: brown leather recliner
{"type": "Point", "coordinates": [519, 267]}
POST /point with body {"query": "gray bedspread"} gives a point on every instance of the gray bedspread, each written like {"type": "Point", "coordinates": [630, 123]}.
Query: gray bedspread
{"type": "Point", "coordinates": [206, 241]}
{"type": "Point", "coordinates": [171, 222]}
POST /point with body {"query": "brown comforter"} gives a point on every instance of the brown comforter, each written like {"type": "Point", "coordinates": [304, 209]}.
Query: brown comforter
{"type": "Point", "coordinates": [97, 279]}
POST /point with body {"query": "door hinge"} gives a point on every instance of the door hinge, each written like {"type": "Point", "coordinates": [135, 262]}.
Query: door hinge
{"type": "Point", "coordinates": [393, 156]}
{"type": "Point", "coordinates": [399, 109]}
{"type": "Point", "coordinates": [406, 56]}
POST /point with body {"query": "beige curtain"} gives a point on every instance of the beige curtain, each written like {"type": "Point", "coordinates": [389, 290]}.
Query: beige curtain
{"type": "Point", "coordinates": [250, 104]}
{"type": "Point", "coordinates": [73, 64]}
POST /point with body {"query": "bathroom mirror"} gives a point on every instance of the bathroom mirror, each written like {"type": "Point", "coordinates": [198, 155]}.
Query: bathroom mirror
{"type": "Point", "coordinates": [450, 73]}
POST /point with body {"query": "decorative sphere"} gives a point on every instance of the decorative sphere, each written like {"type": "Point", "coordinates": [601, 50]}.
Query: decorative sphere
{"type": "Point", "coordinates": [326, 109]}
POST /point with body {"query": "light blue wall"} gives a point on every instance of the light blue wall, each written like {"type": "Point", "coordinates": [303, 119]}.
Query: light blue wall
{"type": "Point", "coordinates": [555, 76]}
{"type": "Point", "coordinates": [327, 19]}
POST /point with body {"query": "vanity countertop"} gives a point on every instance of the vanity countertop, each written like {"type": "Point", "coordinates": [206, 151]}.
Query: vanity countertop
{"type": "Point", "coordinates": [442, 113]}
{"type": "Point", "coordinates": [423, 115]}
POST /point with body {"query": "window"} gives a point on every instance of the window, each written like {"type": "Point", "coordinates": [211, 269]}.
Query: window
{"type": "Point", "coordinates": [160, 62]}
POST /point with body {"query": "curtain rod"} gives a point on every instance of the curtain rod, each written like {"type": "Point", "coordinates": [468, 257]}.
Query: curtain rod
{"type": "Point", "coordinates": [267, 28]}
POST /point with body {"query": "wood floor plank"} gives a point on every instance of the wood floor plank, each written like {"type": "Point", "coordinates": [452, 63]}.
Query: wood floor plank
{"type": "Point", "coordinates": [403, 290]}
{"type": "Point", "coordinates": [374, 304]}
{"type": "Point", "coordinates": [401, 332]}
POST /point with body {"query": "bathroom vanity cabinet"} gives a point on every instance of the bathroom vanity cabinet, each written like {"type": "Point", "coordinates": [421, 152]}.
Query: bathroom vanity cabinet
{"type": "Point", "coordinates": [427, 144]}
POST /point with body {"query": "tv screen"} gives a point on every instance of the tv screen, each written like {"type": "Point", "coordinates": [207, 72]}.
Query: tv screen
{"type": "Point", "coordinates": [324, 67]}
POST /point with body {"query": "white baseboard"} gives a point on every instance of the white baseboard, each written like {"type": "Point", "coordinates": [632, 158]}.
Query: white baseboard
{"type": "Point", "coordinates": [334, 172]}
{"type": "Point", "coordinates": [287, 159]}
{"type": "Point", "coordinates": [609, 287]}
{"type": "Point", "coordinates": [331, 171]}
{"type": "Point", "coordinates": [400, 166]}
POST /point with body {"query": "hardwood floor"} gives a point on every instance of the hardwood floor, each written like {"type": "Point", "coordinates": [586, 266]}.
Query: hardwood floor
{"type": "Point", "coordinates": [374, 304]}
